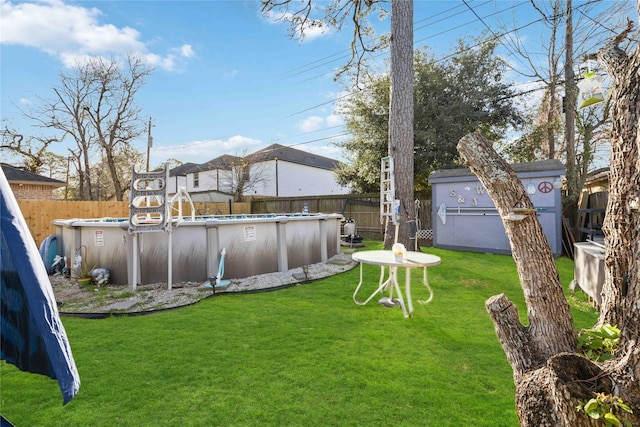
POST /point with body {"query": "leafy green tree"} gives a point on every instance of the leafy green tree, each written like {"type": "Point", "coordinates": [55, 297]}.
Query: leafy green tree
{"type": "Point", "coordinates": [464, 93]}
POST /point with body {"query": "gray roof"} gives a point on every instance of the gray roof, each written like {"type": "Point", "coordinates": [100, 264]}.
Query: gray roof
{"type": "Point", "coordinates": [272, 152]}
{"type": "Point", "coordinates": [540, 166]}
{"type": "Point", "coordinates": [224, 162]}
{"type": "Point", "coordinates": [288, 154]}
{"type": "Point", "coordinates": [183, 169]}
{"type": "Point", "coordinates": [18, 175]}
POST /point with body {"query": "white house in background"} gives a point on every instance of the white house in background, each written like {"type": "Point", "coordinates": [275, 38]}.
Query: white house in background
{"type": "Point", "coordinates": [211, 181]}
{"type": "Point", "coordinates": [287, 172]}
{"type": "Point", "coordinates": [273, 171]}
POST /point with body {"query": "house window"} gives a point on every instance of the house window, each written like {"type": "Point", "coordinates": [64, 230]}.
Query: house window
{"type": "Point", "coordinates": [196, 180]}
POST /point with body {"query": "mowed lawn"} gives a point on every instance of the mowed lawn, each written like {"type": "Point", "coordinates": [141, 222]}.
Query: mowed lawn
{"type": "Point", "coordinates": [302, 356]}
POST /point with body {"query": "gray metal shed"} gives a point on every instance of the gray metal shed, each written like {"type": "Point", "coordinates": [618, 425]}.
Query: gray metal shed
{"type": "Point", "coordinates": [465, 218]}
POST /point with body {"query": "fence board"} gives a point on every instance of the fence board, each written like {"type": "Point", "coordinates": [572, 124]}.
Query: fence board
{"type": "Point", "coordinates": [364, 209]}
{"type": "Point", "coordinates": [40, 213]}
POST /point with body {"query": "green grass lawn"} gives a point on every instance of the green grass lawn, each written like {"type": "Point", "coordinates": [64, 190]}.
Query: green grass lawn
{"type": "Point", "coordinates": [303, 356]}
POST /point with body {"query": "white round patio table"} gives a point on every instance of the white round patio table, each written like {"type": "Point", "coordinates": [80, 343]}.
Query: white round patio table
{"type": "Point", "coordinates": [386, 258]}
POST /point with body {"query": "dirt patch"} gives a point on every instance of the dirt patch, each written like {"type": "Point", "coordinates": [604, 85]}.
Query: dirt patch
{"type": "Point", "coordinates": [73, 298]}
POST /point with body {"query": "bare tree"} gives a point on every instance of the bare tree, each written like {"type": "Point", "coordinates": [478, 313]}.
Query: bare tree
{"type": "Point", "coordinates": [32, 150]}
{"type": "Point", "coordinates": [544, 68]}
{"type": "Point", "coordinates": [570, 97]}
{"type": "Point", "coordinates": [66, 113]}
{"type": "Point", "coordinates": [123, 157]}
{"type": "Point", "coordinates": [248, 172]}
{"type": "Point", "coordinates": [551, 379]}
{"type": "Point", "coordinates": [335, 15]}
{"type": "Point", "coordinates": [558, 139]}
{"type": "Point", "coordinates": [94, 105]}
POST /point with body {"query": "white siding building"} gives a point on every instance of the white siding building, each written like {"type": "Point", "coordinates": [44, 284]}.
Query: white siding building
{"type": "Point", "coordinates": [273, 171]}
{"type": "Point", "coordinates": [286, 172]}
{"type": "Point", "coordinates": [206, 182]}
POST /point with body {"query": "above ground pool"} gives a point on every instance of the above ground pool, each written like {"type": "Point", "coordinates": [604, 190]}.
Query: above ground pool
{"type": "Point", "coordinates": [254, 244]}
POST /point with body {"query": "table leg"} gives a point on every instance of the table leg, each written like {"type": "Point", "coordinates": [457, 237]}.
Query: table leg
{"type": "Point", "coordinates": [358, 288]}
{"type": "Point", "coordinates": [393, 276]}
{"type": "Point", "coordinates": [407, 286]}
{"type": "Point", "coordinates": [381, 286]}
{"type": "Point", "coordinates": [425, 282]}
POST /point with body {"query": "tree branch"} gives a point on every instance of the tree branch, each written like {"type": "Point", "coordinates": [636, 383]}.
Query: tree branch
{"type": "Point", "coordinates": [551, 325]}
{"type": "Point", "coordinates": [512, 335]}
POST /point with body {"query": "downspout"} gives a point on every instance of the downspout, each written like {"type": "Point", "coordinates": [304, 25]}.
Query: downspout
{"type": "Point", "coordinates": [276, 177]}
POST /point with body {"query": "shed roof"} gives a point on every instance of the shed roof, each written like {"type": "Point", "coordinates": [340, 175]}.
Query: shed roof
{"type": "Point", "coordinates": [539, 166]}
{"type": "Point", "coordinates": [21, 176]}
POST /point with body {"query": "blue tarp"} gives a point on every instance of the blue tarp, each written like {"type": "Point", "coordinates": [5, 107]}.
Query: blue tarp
{"type": "Point", "coordinates": [33, 337]}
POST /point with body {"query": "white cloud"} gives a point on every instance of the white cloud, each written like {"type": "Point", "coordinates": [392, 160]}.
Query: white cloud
{"type": "Point", "coordinates": [316, 123]}
{"type": "Point", "coordinates": [328, 149]}
{"type": "Point", "coordinates": [25, 101]}
{"type": "Point", "coordinates": [317, 29]}
{"type": "Point", "coordinates": [187, 51]}
{"type": "Point", "coordinates": [334, 120]}
{"type": "Point", "coordinates": [311, 124]}
{"type": "Point", "coordinates": [312, 29]}
{"type": "Point", "coordinates": [72, 33]}
{"type": "Point", "coordinates": [239, 143]}
{"type": "Point", "coordinates": [205, 150]}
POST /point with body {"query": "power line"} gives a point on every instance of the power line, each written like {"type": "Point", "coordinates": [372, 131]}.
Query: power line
{"type": "Point", "coordinates": [346, 52]}
{"type": "Point", "coordinates": [484, 23]}
{"type": "Point", "coordinates": [340, 55]}
{"type": "Point", "coordinates": [419, 41]}
{"type": "Point", "coordinates": [316, 106]}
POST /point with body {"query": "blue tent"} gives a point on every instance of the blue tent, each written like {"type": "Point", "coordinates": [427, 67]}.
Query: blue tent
{"type": "Point", "coordinates": [33, 337]}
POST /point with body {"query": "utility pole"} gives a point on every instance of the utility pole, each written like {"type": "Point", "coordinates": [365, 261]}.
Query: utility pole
{"type": "Point", "coordinates": [149, 143]}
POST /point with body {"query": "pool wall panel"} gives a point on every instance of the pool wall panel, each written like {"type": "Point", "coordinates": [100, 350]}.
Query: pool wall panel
{"type": "Point", "coordinates": [254, 245]}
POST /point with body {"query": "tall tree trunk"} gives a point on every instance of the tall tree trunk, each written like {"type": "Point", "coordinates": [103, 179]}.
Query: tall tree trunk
{"type": "Point", "coordinates": [551, 380]}
{"type": "Point", "coordinates": [87, 177]}
{"type": "Point", "coordinates": [621, 289]}
{"type": "Point", "coordinates": [401, 115]}
{"type": "Point", "coordinates": [570, 201]}
{"type": "Point", "coordinates": [115, 177]}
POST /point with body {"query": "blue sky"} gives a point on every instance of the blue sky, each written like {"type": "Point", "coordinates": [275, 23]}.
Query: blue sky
{"type": "Point", "coordinates": [226, 79]}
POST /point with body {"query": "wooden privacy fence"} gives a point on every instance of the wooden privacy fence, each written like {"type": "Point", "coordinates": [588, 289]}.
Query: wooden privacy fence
{"type": "Point", "coordinates": [364, 209]}
{"type": "Point", "coordinates": [40, 213]}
